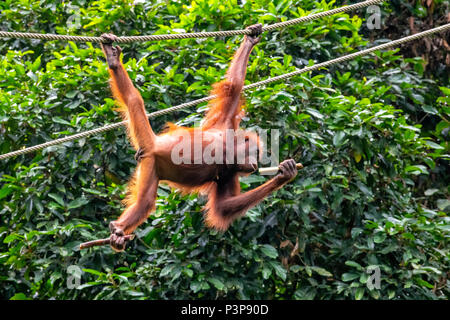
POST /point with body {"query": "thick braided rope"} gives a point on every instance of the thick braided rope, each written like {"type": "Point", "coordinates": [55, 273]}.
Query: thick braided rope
{"type": "Point", "coordinates": [158, 37]}
{"type": "Point", "coordinates": [250, 86]}
{"type": "Point", "coordinates": [351, 56]}
{"type": "Point", "coordinates": [321, 15]}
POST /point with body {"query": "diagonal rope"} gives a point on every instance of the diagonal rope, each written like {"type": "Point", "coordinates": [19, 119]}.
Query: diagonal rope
{"type": "Point", "coordinates": [158, 37]}
{"type": "Point", "coordinates": [250, 86]}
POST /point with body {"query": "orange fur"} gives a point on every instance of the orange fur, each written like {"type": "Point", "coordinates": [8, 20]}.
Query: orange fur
{"type": "Point", "coordinates": [225, 203]}
{"type": "Point", "coordinates": [218, 106]}
{"type": "Point", "coordinates": [122, 108]}
{"type": "Point", "coordinates": [213, 217]}
{"type": "Point", "coordinates": [216, 112]}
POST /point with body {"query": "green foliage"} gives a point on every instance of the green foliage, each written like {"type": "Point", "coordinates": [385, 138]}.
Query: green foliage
{"type": "Point", "coordinates": [372, 135]}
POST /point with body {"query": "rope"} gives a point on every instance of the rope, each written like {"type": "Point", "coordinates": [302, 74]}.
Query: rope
{"type": "Point", "coordinates": [158, 37]}
{"type": "Point", "coordinates": [247, 87]}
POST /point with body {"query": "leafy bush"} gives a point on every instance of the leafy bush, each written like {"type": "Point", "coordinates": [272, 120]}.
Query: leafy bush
{"type": "Point", "coordinates": [372, 135]}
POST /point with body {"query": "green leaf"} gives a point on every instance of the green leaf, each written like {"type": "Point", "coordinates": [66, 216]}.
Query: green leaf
{"type": "Point", "coordinates": [269, 251]}
{"type": "Point", "coordinates": [445, 90]}
{"type": "Point", "coordinates": [314, 113]}
{"type": "Point", "coordinates": [338, 138]}
{"type": "Point", "coordinates": [217, 283]}
{"type": "Point", "coordinates": [61, 121]}
{"type": "Point", "coordinates": [166, 270]}
{"type": "Point", "coordinates": [12, 237]}
{"type": "Point", "coordinates": [279, 270]}
{"type": "Point", "coordinates": [322, 271]}
{"type": "Point", "coordinates": [430, 192]}
{"type": "Point", "coordinates": [416, 169]}
{"type": "Point", "coordinates": [443, 204]}
{"type": "Point", "coordinates": [20, 296]}
{"type": "Point", "coordinates": [391, 294]}
{"type": "Point", "coordinates": [359, 293]}
{"type": "Point", "coordinates": [434, 145]}
{"type": "Point", "coordinates": [77, 203]}
{"type": "Point", "coordinates": [423, 283]}
{"type": "Point", "coordinates": [195, 286]}
{"type": "Point", "coordinates": [71, 94]}
{"type": "Point", "coordinates": [354, 264]}
{"type": "Point", "coordinates": [57, 198]}
{"type": "Point", "coordinates": [418, 98]}
{"type": "Point", "coordinates": [349, 276]}
{"type": "Point", "coordinates": [36, 64]}
{"type": "Point", "coordinates": [94, 272]}
{"type": "Point", "coordinates": [5, 191]}
{"type": "Point", "coordinates": [379, 237]}
{"type": "Point", "coordinates": [266, 272]}
{"type": "Point", "coordinates": [188, 272]}
{"type": "Point", "coordinates": [429, 109]}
